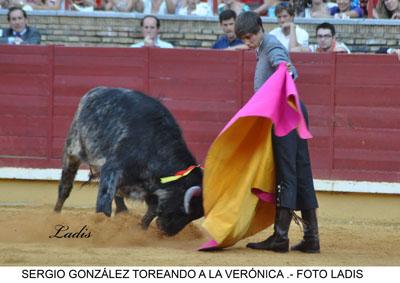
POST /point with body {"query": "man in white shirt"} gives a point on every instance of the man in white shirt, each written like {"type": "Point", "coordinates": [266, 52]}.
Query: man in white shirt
{"type": "Point", "coordinates": [290, 35]}
{"type": "Point", "coordinates": [150, 27]}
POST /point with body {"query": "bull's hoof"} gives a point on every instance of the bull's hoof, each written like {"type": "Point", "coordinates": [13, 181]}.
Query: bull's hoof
{"type": "Point", "coordinates": [121, 210]}
{"type": "Point", "coordinates": [100, 217]}
{"type": "Point", "coordinates": [144, 225]}
{"type": "Point", "coordinates": [146, 220]}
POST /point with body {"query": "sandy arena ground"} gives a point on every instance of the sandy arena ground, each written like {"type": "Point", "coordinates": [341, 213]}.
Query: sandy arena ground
{"type": "Point", "coordinates": [355, 230]}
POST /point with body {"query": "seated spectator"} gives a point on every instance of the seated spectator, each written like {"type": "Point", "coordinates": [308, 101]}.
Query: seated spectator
{"type": "Point", "coordinates": [234, 5]}
{"type": "Point", "coordinates": [228, 40]}
{"type": "Point", "coordinates": [19, 32]}
{"type": "Point", "coordinates": [326, 40]}
{"type": "Point", "coordinates": [83, 5]}
{"type": "Point", "coordinates": [386, 50]}
{"type": "Point", "coordinates": [387, 9]}
{"type": "Point", "coordinates": [346, 10]}
{"type": "Point", "coordinates": [124, 5]}
{"type": "Point", "coordinates": [194, 8]}
{"type": "Point", "coordinates": [150, 28]}
{"type": "Point", "coordinates": [368, 7]}
{"type": "Point", "coordinates": [159, 7]}
{"type": "Point", "coordinates": [48, 5]}
{"type": "Point", "coordinates": [267, 8]}
{"type": "Point", "coordinates": [299, 7]}
{"type": "Point", "coordinates": [364, 7]}
{"type": "Point", "coordinates": [4, 4]}
{"type": "Point", "coordinates": [318, 9]}
{"type": "Point", "coordinates": [24, 4]}
{"type": "Point", "coordinates": [293, 37]}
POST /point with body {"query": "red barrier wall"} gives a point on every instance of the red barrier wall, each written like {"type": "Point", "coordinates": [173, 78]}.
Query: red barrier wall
{"type": "Point", "coordinates": [353, 101]}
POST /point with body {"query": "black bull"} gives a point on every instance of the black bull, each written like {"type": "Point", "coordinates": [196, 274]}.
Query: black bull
{"type": "Point", "coordinates": [130, 141]}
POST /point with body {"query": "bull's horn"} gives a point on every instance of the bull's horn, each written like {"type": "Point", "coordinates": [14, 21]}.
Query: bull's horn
{"type": "Point", "coordinates": [192, 191]}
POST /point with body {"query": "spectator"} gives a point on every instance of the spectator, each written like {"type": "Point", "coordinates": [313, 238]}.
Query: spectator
{"type": "Point", "coordinates": [364, 7]}
{"type": "Point", "coordinates": [124, 5]}
{"type": "Point", "coordinates": [83, 5]}
{"type": "Point", "coordinates": [290, 35]}
{"type": "Point", "coordinates": [150, 27]}
{"type": "Point", "coordinates": [267, 8]}
{"type": "Point", "coordinates": [386, 50]}
{"type": "Point", "coordinates": [299, 7]}
{"type": "Point", "coordinates": [159, 7]}
{"type": "Point", "coordinates": [48, 5]}
{"type": "Point", "coordinates": [24, 4]}
{"type": "Point", "coordinates": [387, 9]}
{"type": "Point", "coordinates": [19, 32]}
{"type": "Point", "coordinates": [4, 4]}
{"type": "Point", "coordinates": [194, 8]}
{"type": "Point", "coordinates": [368, 6]}
{"type": "Point", "coordinates": [346, 10]}
{"type": "Point", "coordinates": [228, 40]}
{"type": "Point", "coordinates": [234, 5]}
{"type": "Point", "coordinates": [326, 40]}
{"type": "Point", "coordinates": [318, 9]}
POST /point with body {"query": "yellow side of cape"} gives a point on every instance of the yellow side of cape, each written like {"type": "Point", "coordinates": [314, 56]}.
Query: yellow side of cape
{"type": "Point", "coordinates": [241, 158]}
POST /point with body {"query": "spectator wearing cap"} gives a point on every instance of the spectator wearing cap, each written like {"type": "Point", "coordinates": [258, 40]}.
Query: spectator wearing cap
{"type": "Point", "coordinates": [150, 28]}
{"type": "Point", "coordinates": [19, 32]}
{"type": "Point", "coordinates": [228, 40]}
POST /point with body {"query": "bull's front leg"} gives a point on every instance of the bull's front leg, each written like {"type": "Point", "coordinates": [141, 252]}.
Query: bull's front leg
{"type": "Point", "coordinates": [151, 213]}
{"type": "Point", "coordinates": [107, 189]}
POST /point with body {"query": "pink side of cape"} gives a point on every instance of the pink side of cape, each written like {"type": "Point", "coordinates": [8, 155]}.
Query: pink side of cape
{"type": "Point", "coordinates": [208, 246]}
{"type": "Point", "coordinates": [271, 101]}
{"type": "Point", "coordinates": [264, 196]}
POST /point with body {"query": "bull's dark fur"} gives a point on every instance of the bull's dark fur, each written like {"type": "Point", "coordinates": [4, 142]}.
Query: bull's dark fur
{"type": "Point", "coordinates": [131, 140]}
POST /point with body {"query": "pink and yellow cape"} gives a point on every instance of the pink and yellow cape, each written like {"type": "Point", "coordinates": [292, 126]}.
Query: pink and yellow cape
{"type": "Point", "coordinates": [239, 175]}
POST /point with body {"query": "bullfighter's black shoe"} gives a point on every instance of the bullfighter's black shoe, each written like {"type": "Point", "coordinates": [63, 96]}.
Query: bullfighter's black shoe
{"type": "Point", "coordinates": [279, 241]}
{"type": "Point", "coordinates": [310, 242]}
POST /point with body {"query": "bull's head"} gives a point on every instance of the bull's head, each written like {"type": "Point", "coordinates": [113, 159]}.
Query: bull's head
{"type": "Point", "coordinates": [177, 208]}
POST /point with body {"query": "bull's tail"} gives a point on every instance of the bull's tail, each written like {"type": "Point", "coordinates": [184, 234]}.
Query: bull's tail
{"type": "Point", "coordinates": [92, 176]}
{"type": "Point", "coordinates": [70, 167]}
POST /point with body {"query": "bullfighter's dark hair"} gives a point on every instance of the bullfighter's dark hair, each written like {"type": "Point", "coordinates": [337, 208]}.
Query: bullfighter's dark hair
{"type": "Point", "coordinates": [150, 16]}
{"type": "Point", "coordinates": [227, 15]}
{"type": "Point", "coordinates": [248, 22]}
{"type": "Point", "coordinates": [326, 25]}
{"type": "Point", "coordinates": [15, 8]}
